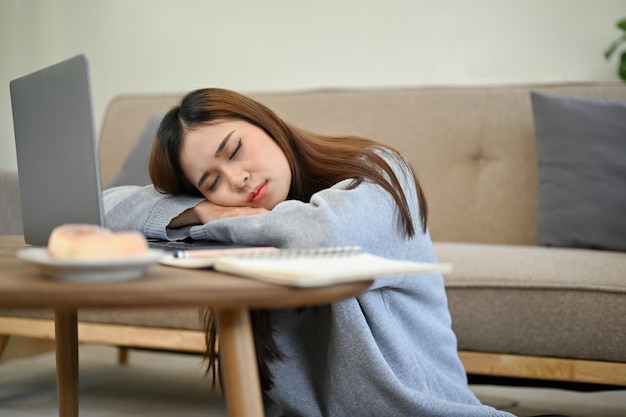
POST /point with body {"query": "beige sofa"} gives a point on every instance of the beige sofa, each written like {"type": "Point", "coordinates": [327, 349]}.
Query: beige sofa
{"type": "Point", "coordinates": [519, 309]}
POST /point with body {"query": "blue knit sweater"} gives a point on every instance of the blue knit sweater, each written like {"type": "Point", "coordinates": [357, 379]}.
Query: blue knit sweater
{"type": "Point", "coordinates": [388, 352]}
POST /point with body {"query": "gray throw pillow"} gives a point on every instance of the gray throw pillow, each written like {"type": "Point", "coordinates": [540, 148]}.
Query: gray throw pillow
{"type": "Point", "coordinates": [135, 168]}
{"type": "Point", "coordinates": [581, 155]}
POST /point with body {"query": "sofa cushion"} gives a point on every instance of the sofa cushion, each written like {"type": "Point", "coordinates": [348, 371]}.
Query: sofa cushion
{"type": "Point", "coordinates": [135, 168]}
{"type": "Point", "coordinates": [581, 154]}
{"type": "Point", "coordinates": [529, 300]}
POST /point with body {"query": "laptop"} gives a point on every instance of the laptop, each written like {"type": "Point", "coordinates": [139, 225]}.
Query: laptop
{"type": "Point", "coordinates": [57, 153]}
{"type": "Point", "coordinates": [57, 156]}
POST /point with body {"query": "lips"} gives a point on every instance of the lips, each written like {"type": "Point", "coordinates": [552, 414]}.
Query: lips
{"type": "Point", "coordinates": [258, 193]}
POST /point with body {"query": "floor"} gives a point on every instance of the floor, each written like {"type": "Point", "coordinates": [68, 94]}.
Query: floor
{"type": "Point", "coordinates": [160, 384]}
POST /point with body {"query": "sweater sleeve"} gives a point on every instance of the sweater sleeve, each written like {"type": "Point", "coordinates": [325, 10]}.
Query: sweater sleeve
{"type": "Point", "coordinates": [333, 217]}
{"type": "Point", "coordinates": [146, 210]}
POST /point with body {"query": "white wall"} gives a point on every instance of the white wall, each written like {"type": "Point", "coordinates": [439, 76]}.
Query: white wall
{"type": "Point", "coordinates": [256, 45]}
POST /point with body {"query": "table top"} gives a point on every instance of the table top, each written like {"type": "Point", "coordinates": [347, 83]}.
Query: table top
{"type": "Point", "coordinates": [24, 285]}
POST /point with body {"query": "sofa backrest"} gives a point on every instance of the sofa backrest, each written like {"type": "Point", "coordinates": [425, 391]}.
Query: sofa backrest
{"type": "Point", "coordinates": [10, 204]}
{"type": "Point", "coordinates": [472, 147]}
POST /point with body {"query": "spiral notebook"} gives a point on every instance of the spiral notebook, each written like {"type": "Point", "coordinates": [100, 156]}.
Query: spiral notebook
{"type": "Point", "coordinates": [306, 267]}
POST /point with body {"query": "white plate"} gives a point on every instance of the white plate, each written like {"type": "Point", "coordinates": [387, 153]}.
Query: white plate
{"type": "Point", "coordinates": [90, 271]}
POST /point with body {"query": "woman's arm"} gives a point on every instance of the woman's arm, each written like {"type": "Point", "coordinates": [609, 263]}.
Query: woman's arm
{"type": "Point", "coordinates": [162, 216]}
{"type": "Point", "coordinates": [146, 210]}
{"type": "Point", "coordinates": [335, 216]}
{"type": "Point", "coordinates": [366, 216]}
{"type": "Point", "coordinates": [206, 211]}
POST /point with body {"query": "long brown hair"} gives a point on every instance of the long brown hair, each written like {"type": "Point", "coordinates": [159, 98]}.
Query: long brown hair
{"type": "Point", "coordinates": [317, 162]}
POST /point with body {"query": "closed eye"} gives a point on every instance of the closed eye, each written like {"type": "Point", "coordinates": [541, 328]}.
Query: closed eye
{"type": "Point", "coordinates": [237, 148]}
{"type": "Point", "coordinates": [213, 184]}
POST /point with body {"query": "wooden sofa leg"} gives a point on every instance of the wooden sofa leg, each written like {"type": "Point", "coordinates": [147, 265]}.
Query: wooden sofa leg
{"type": "Point", "coordinates": [122, 355]}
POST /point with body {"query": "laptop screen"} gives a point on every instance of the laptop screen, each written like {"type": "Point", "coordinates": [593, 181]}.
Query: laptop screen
{"type": "Point", "coordinates": [57, 154]}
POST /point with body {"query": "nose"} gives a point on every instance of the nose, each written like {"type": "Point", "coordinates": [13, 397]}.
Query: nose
{"type": "Point", "coordinates": [238, 180]}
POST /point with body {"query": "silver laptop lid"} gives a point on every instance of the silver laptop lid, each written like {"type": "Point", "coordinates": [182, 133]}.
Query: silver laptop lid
{"type": "Point", "coordinates": [57, 154]}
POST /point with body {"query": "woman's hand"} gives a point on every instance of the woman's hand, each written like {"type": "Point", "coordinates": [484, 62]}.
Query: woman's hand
{"type": "Point", "coordinates": [207, 211]}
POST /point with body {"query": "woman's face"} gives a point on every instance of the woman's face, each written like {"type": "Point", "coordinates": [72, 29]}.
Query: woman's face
{"type": "Point", "coordinates": [235, 164]}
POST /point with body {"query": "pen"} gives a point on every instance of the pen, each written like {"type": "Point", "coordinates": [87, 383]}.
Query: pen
{"type": "Point", "coordinates": [212, 253]}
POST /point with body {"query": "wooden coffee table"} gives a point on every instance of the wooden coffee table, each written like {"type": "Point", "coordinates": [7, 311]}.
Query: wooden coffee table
{"type": "Point", "coordinates": [23, 285]}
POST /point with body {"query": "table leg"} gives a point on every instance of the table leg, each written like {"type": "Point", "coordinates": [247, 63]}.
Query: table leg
{"type": "Point", "coordinates": [66, 337]}
{"type": "Point", "coordinates": [240, 373]}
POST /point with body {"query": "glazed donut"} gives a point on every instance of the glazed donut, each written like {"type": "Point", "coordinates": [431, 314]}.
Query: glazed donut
{"type": "Point", "coordinates": [87, 242]}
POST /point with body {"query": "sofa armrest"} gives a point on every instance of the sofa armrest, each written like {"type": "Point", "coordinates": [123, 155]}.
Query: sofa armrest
{"type": "Point", "coordinates": [10, 206]}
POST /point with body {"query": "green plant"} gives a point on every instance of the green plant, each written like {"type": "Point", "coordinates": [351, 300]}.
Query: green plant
{"type": "Point", "coordinates": [621, 67]}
